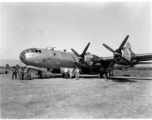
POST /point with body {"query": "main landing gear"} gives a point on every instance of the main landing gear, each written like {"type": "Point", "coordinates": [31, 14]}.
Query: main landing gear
{"type": "Point", "coordinates": [27, 75]}
{"type": "Point", "coordinates": [105, 73]}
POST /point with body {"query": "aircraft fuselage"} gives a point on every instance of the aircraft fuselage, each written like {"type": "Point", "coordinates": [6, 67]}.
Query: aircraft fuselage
{"type": "Point", "coordinates": [48, 58]}
{"type": "Point", "coordinates": [56, 59]}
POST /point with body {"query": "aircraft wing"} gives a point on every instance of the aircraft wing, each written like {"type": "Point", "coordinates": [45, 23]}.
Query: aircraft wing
{"type": "Point", "coordinates": [144, 57]}
{"type": "Point", "coordinates": [139, 58]}
{"type": "Point", "coordinates": [106, 59]}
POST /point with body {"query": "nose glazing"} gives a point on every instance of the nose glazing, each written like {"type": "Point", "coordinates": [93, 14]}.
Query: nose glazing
{"type": "Point", "coordinates": [22, 56]}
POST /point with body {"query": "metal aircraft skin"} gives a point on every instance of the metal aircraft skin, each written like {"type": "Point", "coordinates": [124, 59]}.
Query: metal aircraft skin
{"type": "Point", "coordinates": [56, 59]}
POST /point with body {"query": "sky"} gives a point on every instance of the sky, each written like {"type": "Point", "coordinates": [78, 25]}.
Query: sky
{"type": "Point", "coordinates": [66, 25]}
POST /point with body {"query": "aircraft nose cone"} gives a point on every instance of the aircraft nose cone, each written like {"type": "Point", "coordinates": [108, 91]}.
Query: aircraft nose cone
{"type": "Point", "coordinates": [22, 56]}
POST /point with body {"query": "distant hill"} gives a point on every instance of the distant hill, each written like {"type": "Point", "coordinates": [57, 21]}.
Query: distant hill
{"type": "Point", "coordinates": [11, 62]}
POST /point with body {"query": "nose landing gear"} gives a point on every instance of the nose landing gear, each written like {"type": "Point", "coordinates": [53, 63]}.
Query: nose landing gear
{"type": "Point", "coordinates": [27, 76]}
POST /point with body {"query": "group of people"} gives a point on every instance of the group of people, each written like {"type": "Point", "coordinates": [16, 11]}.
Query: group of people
{"type": "Point", "coordinates": [17, 73]}
{"type": "Point", "coordinates": [69, 72]}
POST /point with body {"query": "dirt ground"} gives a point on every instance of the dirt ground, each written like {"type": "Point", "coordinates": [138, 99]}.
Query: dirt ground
{"type": "Point", "coordinates": [70, 98]}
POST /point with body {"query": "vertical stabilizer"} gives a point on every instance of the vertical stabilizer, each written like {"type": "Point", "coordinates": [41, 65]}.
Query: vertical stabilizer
{"type": "Point", "coordinates": [128, 45]}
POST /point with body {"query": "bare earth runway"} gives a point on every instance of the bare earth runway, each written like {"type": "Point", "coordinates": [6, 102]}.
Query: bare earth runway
{"type": "Point", "coordinates": [70, 98]}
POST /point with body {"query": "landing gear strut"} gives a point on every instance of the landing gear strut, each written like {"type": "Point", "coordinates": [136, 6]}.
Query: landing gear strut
{"type": "Point", "coordinates": [102, 75]}
{"type": "Point", "coordinates": [111, 73]}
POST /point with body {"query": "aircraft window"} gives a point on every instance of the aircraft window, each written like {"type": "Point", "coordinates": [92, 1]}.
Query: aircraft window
{"type": "Point", "coordinates": [36, 50]}
{"type": "Point", "coordinates": [39, 51]}
{"type": "Point", "coordinates": [32, 50]}
{"type": "Point", "coordinates": [28, 51]}
{"type": "Point", "coordinates": [54, 54]}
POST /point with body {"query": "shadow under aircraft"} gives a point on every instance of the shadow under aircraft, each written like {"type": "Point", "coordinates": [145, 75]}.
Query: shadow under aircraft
{"type": "Point", "coordinates": [52, 61]}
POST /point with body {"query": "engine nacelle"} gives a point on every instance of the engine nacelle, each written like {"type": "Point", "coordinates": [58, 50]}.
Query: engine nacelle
{"type": "Point", "coordinates": [88, 58]}
{"type": "Point", "coordinates": [125, 53]}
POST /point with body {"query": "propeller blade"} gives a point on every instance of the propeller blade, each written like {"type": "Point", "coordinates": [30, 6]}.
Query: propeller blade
{"type": "Point", "coordinates": [110, 65]}
{"type": "Point", "coordinates": [123, 43]}
{"type": "Point", "coordinates": [127, 61]}
{"type": "Point", "coordinates": [87, 65]}
{"type": "Point", "coordinates": [84, 51]}
{"type": "Point", "coordinates": [109, 48]}
{"type": "Point", "coordinates": [75, 52]}
{"type": "Point", "coordinates": [74, 59]}
{"type": "Point", "coordinates": [76, 63]}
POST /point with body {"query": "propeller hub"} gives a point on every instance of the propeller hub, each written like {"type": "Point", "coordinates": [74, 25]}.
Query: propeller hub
{"type": "Point", "coordinates": [82, 56]}
{"type": "Point", "coordinates": [117, 54]}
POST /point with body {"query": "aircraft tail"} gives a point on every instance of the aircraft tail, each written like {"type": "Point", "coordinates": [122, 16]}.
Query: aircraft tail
{"type": "Point", "coordinates": [128, 45]}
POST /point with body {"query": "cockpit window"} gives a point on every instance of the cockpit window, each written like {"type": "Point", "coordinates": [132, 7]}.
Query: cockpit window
{"type": "Point", "coordinates": [26, 51]}
{"type": "Point", "coordinates": [39, 51]}
{"type": "Point", "coordinates": [32, 51]}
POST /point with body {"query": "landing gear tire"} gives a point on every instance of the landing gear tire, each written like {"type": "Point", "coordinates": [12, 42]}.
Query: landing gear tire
{"type": "Point", "coordinates": [27, 76]}
{"type": "Point", "coordinates": [105, 76]}
{"type": "Point", "coordinates": [68, 76]}
{"type": "Point", "coordinates": [63, 76]}
{"type": "Point", "coordinates": [111, 73]}
{"type": "Point", "coordinates": [100, 75]}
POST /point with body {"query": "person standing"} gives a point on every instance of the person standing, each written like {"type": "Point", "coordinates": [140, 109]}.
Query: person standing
{"type": "Point", "coordinates": [70, 73]}
{"type": "Point", "coordinates": [10, 73]}
{"type": "Point", "coordinates": [22, 73]}
{"type": "Point", "coordinates": [77, 72]}
{"type": "Point", "coordinates": [14, 73]}
{"type": "Point", "coordinates": [66, 73]}
{"type": "Point", "coordinates": [19, 74]}
{"type": "Point", "coordinates": [40, 74]}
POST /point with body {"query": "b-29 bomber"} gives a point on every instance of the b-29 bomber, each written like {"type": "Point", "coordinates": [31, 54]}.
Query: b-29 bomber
{"type": "Point", "coordinates": [54, 61]}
